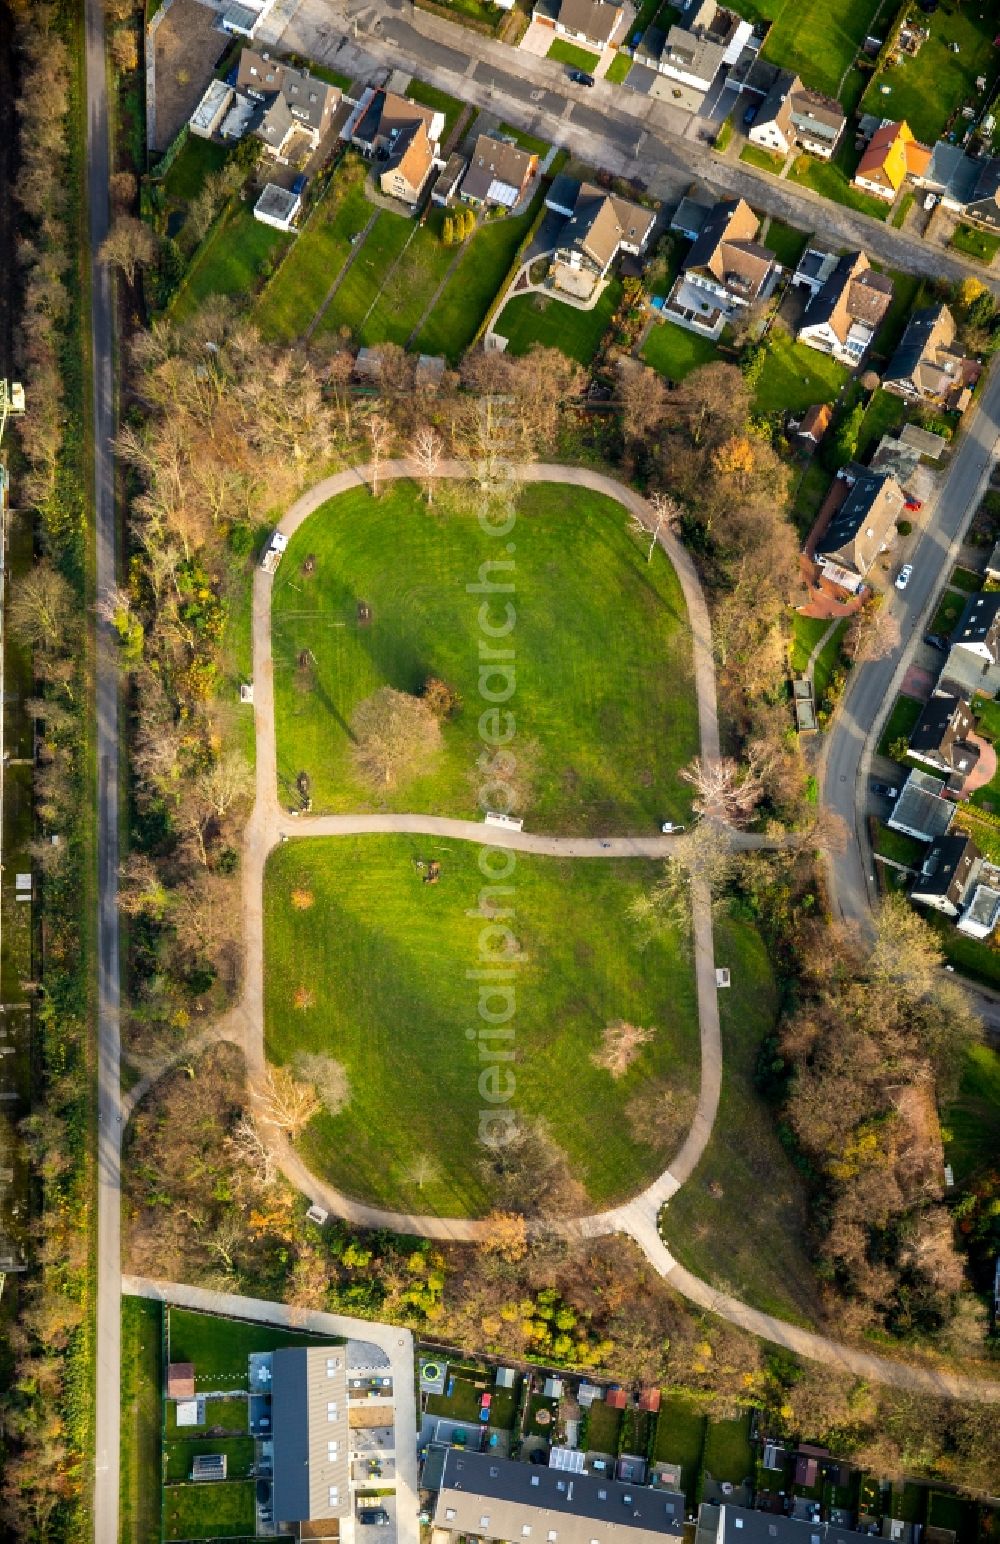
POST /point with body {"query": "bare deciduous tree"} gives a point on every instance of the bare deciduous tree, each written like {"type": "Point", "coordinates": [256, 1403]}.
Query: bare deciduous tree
{"type": "Point", "coordinates": [327, 1076]}
{"type": "Point", "coordinates": [724, 788]}
{"type": "Point", "coordinates": [284, 1102]}
{"type": "Point", "coordinates": [426, 450]}
{"type": "Point", "coordinates": [379, 434]}
{"type": "Point", "coordinates": [249, 1147]}
{"type": "Point", "coordinates": [129, 245]}
{"type": "Point", "coordinates": [42, 610]}
{"type": "Point", "coordinates": [621, 1043]}
{"type": "Point", "coordinates": [872, 633]}
{"type": "Point", "coordinates": [394, 734]}
{"type": "Point", "coordinates": [663, 516]}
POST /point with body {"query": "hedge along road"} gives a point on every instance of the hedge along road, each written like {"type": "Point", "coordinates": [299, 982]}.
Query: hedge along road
{"type": "Point", "coordinates": [270, 824]}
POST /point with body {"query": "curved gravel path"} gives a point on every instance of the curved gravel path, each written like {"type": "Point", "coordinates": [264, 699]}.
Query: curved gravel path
{"type": "Point", "coordinates": [638, 1217]}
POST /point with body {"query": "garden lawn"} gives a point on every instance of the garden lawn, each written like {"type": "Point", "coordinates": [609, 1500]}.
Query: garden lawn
{"type": "Point", "coordinates": [926, 89]}
{"type": "Point", "coordinates": [971, 957]}
{"type": "Point", "coordinates": [950, 608]}
{"type": "Point", "coordinates": [885, 414]}
{"type": "Point", "coordinates": [529, 319]}
{"type": "Point", "coordinates": [975, 243]}
{"type": "Point", "coordinates": [529, 142]}
{"type": "Point", "coordinates": [740, 1221]}
{"type": "Point", "coordinates": [827, 661]}
{"type": "Point", "coordinates": [786, 242]}
{"type": "Point", "coordinates": [568, 53]}
{"type": "Point", "coordinates": [901, 722]}
{"type": "Point", "coordinates": [291, 299]}
{"type": "Point", "coordinates": [618, 70]}
{"type": "Point", "coordinates": [675, 352]}
{"type": "Point", "coordinates": [232, 1414]}
{"type": "Point", "coordinates": [195, 159]}
{"type": "Point", "coordinates": [900, 847]}
{"type": "Point", "coordinates": [816, 38]}
{"type": "Point", "coordinates": [488, 16]}
{"type": "Point", "coordinates": [605, 706]}
{"type": "Point", "coordinates": [806, 633]}
{"type": "Point", "coordinates": [972, 1121]}
{"type": "Point", "coordinates": [477, 279]}
{"type": "Point", "coordinates": [462, 1404]}
{"type": "Point", "coordinates": [534, 1428]}
{"type": "Point", "coordinates": [438, 102]}
{"type": "Point", "coordinates": [832, 179]}
{"type": "Point", "coordinates": [603, 1428]}
{"type": "Point", "coordinates": [764, 160]}
{"type": "Point", "coordinates": [809, 496]}
{"type": "Point", "coordinates": [680, 1438]}
{"type": "Point", "coordinates": [728, 1454]}
{"type": "Point", "coordinates": [907, 296]}
{"type": "Point", "coordinates": [966, 579]}
{"type": "Point", "coordinates": [410, 286]}
{"type": "Point", "coordinates": [142, 1380]}
{"type": "Point", "coordinates": [794, 376]}
{"type": "Point", "coordinates": [219, 1347]}
{"type": "Point", "coordinates": [180, 1455]}
{"type": "Point", "coordinates": [232, 261]}
{"type": "Point", "coordinates": [223, 1510]}
{"type": "Point", "coordinates": [987, 717]}
{"type": "Point", "coordinates": [356, 297]}
{"type": "Point", "coordinates": [386, 959]}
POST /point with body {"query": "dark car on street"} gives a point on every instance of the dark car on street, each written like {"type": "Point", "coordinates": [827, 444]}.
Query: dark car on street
{"type": "Point", "coordinates": [581, 77]}
{"type": "Point", "coordinates": [886, 790]}
{"type": "Point", "coordinates": [936, 641]}
{"type": "Point", "coordinates": [749, 116]}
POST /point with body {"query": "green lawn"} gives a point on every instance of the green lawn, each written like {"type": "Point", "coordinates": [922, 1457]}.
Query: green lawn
{"type": "Point", "coordinates": [972, 1122]}
{"type": "Point", "coordinates": [900, 847]}
{"type": "Point", "coordinates": [809, 495]}
{"type": "Point", "coordinates": [955, 1512]}
{"type": "Point", "coordinates": [438, 102]}
{"type": "Point", "coordinates": [534, 1428]}
{"type": "Point", "coordinates": [965, 579]}
{"type": "Point", "coordinates": [987, 717]}
{"type": "Point", "coordinates": [908, 295]}
{"type": "Point", "coordinates": [180, 1455]}
{"type": "Point", "coordinates": [529, 319]}
{"type": "Point", "coordinates": [225, 1509]}
{"type": "Point", "coordinates": [744, 1172]}
{"type": "Point", "coordinates": [478, 277]}
{"type": "Point", "coordinates": [764, 160]}
{"type": "Point", "coordinates": [462, 1404]}
{"type": "Point", "coordinates": [786, 242]}
{"type": "Point", "coordinates": [902, 209]}
{"type": "Point", "coordinates": [605, 706]}
{"type": "Point", "coordinates": [230, 1415]}
{"type": "Point", "coordinates": [925, 90]}
{"type": "Point", "coordinates": [232, 261]}
{"type": "Point", "coordinates": [292, 298]}
{"type": "Point", "coordinates": [529, 142]}
{"type": "Point", "coordinates": [192, 164]}
{"type": "Point", "coordinates": [142, 1380]}
{"type": "Point", "coordinates": [827, 661]}
{"type": "Point", "coordinates": [795, 376]}
{"type": "Point", "coordinates": [489, 16]}
{"type": "Point", "coordinates": [885, 414]}
{"type": "Point", "coordinates": [901, 722]}
{"type": "Point", "coordinates": [568, 53]}
{"type": "Point", "coordinates": [813, 37]}
{"type": "Point", "coordinates": [353, 305]}
{"type": "Point", "coordinates": [603, 1428]}
{"type": "Point", "coordinates": [618, 70]}
{"type": "Point", "coordinates": [806, 633]}
{"type": "Point", "coordinates": [680, 1438]}
{"type": "Point", "coordinates": [728, 1454]}
{"type": "Point", "coordinates": [388, 958]}
{"type": "Point", "coordinates": [219, 1347]}
{"type": "Point", "coordinates": [832, 179]}
{"type": "Point", "coordinates": [675, 352]}
{"type": "Point", "coordinates": [950, 608]}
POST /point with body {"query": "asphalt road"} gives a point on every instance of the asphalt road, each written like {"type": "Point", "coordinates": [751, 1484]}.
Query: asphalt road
{"type": "Point", "coordinates": [108, 1327]}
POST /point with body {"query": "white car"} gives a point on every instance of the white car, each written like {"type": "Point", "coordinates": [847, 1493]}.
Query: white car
{"type": "Point", "coordinates": [904, 575]}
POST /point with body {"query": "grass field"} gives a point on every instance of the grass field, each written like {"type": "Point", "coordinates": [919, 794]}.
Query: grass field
{"type": "Point", "coordinates": [786, 242]}
{"type": "Point", "coordinates": [728, 1454]}
{"type": "Point", "coordinates": [809, 495]}
{"type": "Point", "coordinates": [232, 261]}
{"type": "Point", "coordinates": [223, 1510]}
{"type": "Point", "coordinates": [675, 352]}
{"type": "Point", "coordinates": [603, 655]}
{"type": "Point", "coordinates": [813, 37]}
{"type": "Point", "coordinates": [230, 1415]}
{"type": "Point", "coordinates": [192, 164]}
{"type": "Point", "coordinates": [353, 305]}
{"type": "Point", "coordinates": [901, 722]}
{"type": "Point", "coordinates": [908, 294]}
{"type": "Point", "coordinates": [965, 579]}
{"type": "Point", "coordinates": [832, 179]}
{"type": "Point", "coordinates": [180, 1455]}
{"type": "Point", "coordinates": [618, 70]}
{"type": "Point", "coordinates": [438, 102]}
{"type": "Point", "coordinates": [142, 1379]}
{"type": "Point", "coordinates": [293, 297]}
{"type": "Point", "coordinates": [219, 1347]}
{"type": "Point", "coordinates": [603, 1428]}
{"type": "Point", "coordinates": [949, 609]}
{"type": "Point", "coordinates": [569, 53]}
{"type": "Point", "coordinates": [472, 287]}
{"type": "Point", "coordinates": [900, 847]}
{"type": "Point", "coordinates": [806, 633]}
{"type": "Point", "coordinates": [884, 414]}
{"type": "Point", "coordinates": [393, 1002]}
{"type": "Point", "coordinates": [529, 142]}
{"type": "Point", "coordinates": [972, 1121]}
{"type": "Point", "coordinates": [975, 243]}
{"type": "Point", "coordinates": [795, 376]}
{"type": "Point", "coordinates": [827, 661]}
{"type": "Point", "coordinates": [926, 89]}
{"type": "Point", "coordinates": [529, 319]}
{"type": "Point", "coordinates": [972, 957]}
{"type": "Point", "coordinates": [744, 1172]}
{"type": "Point", "coordinates": [764, 160]}
{"type": "Point", "coordinates": [680, 1438]}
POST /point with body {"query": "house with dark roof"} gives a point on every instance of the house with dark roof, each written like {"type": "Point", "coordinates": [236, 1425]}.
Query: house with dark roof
{"type": "Point", "coordinates": [947, 873]}
{"type": "Point", "coordinates": [891, 156]}
{"type": "Point", "coordinates": [728, 1524]}
{"type": "Point", "coordinates": [309, 1430]}
{"type": "Point", "coordinates": [813, 269]}
{"type": "Point", "coordinates": [844, 315]}
{"type": "Point", "coordinates": [978, 630]}
{"type": "Point", "coordinates": [726, 270]}
{"type": "Point", "coordinates": [408, 163]}
{"type": "Point", "coordinates": [941, 737]}
{"type": "Point", "coordinates": [585, 21]}
{"type": "Point", "coordinates": [598, 226]}
{"type": "Point", "coordinates": [921, 809]}
{"type": "Point", "coordinates": [791, 114]}
{"type": "Point", "coordinates": [288, 101]}
{"type": "Point", "coordinates": [499, 173]}
{"type": "Point", "coordinates": [694, 55]}
{"type": "Point", "coordinates": [862, 527]}
{"type": "Point", "coordinates": [983, 207]}
{"type": "Point", "coordinates": [380, 118]}
{"type": "Point", "coordinates": [951, 174]}
{"type": "Point", "coordinates": [491, 1498]}
{"type": "Point", "coordinates": [927, 367]}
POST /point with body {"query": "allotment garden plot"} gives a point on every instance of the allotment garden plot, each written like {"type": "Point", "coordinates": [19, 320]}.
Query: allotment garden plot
{"type": "Point", "coordinates": [371, 995]}
{"type": "Point", "coordinates": [375, 592]}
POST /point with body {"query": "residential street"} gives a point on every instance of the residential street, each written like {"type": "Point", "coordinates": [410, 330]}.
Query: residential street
{"type": "Point", "coordinates": [609, 126]}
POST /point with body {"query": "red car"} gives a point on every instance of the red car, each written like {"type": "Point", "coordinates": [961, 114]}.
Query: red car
{"type": "Point", "coordinates": [913, 505]}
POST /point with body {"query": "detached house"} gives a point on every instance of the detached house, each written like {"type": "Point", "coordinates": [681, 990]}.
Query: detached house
{"type": "Point", "coordinates": [585, 21]}
{"type": "Point", "coordinates": [498, 173]}
{"type": "Point", "coordinates": [948, 874]}
{"type": "Point", "coordinates": [984, 202]}
{"type": "Point", "coordinates": [287, 102]}
{"type": "Point", "coordinates": [401, 137]}
{"type": "Point", "coordinates": [860, 529]}
{"type": "Point", "coordinates": [973, 665]}
{"type": "Point", "coordinates": [951, 174]}
{"type": "Point", "coordinates": [691, 56]}
{"type": "Point", "coordinates": [942, 737]}
{"type": "Point", "coordinates": [892, 156]}
{"type": "Point", "coordinates": [726, 269]}
{"type": "Point", "coordinates": [927, 368]}
{"type": "Point", "coordinates": [791, 114]}
{"type": "Point", "coordinates": [845, 313]}
{"type": "Point", "coordinates": [598, 226]}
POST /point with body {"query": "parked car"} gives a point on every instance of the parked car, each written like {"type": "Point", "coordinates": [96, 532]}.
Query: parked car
{"type": "Point", "coordinates": [581, 77]}
{"type": "Point", "coordinates": [377, 1516]}
{"type": "Point", "coordinates": [930, 200]}
{"type": "Point", "coordinates": [885, 789]}
{"type": "Point", "coordinates": [936, 641]}
{"type": "Point", "coordinates": [749, 116]}
{"type": "Point", "coordinates": [904, 576]}
{"type": "Point", "coordinates": [299, 185]}
{"type": "Point", "coordinates": [913, 505]}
